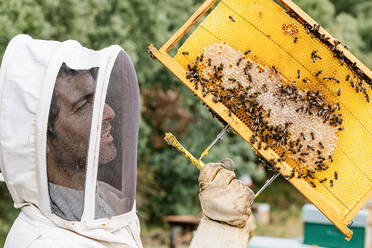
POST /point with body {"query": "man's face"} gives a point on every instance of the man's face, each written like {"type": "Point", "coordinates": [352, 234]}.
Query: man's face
{"type": "Point", "coordinates": [72, 125]}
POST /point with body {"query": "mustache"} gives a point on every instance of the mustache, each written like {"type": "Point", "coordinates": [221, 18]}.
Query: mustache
{"type": "Point", "coordinates": [105, 125]}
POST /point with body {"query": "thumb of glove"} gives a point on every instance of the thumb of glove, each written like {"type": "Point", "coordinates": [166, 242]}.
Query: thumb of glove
{"type": "Point", "coordinates": [228, 164]}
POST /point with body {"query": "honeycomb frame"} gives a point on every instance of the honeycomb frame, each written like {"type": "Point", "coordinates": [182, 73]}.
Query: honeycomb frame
{"type": "Point", "coordinates": [324, 200]}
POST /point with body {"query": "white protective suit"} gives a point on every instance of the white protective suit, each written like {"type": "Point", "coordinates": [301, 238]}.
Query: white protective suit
{"type": "Point", "coordinates": [63, 125]}
{"type": "Point", "coordinates": [68, 152]}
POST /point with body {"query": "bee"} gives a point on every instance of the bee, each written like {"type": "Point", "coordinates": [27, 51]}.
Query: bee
{"type": "Point", "coordinates": [330, 158]}
{"type": "Point", "coordinates": [283, 154]}
{"type": "Point", "coordinates": [201, 58]}
{"type": "Point", "coordinates": [259, 145]}
{"type": "Point", "coordinates": [331, 183]}
{"type": "Point", "coordinates": [295, 39]}
{"type": "Point", "coordinates": [338, 106]}
{"type": "Point", "coordinates": [249, 77]}
{"type": "Point", "coordinates": [310, 148]}
{"type": "Point", "coordinates": [318, 73]}
{"type": "Point", "coordinates": [347, 77]}
{"type": "Point", "coordinates": [336, 43]}
{"type": "Point", "coordinates": [248, 51]}
{"type": "Point", "coordinates": [267, 146]}
{"type": "Point", "coordinates": [238, 63]}
{"type": "Point", "coordinates": [185, 53]}
{"type": "Point", "coordinates": [314, 56]}
{"type": "Point", "coordinates": [252, 139]}
{"type": "Point", "coordinates": [331, 79]}
{"type": "Point", "coordinates": [274, 69]}
{"type": "Point", "coordinates": [336, 175]}
{"type": "Point", "coordinates": [367, 96]}
{"type": "Point", "coordinates": [265, 88]}
{"type": "Point", "coordinates": [321, 145]}
{"type": "Point", "coordinates": [340, 128]}
{"type": "Point", "coordinates": [269, 113]}
{"type": "Point", "coordinates": [312, 184]}
{"type": "Point", "coordinates": [319, 162]}
{"type": "Point", "coordinates": [339, 92]}
{"type": "Point", "coordinates": [352, 83]}
{"type": "Point", "coordinates": [312, 136]}
{"type": "Point", "coordinates": [302, 160]}
{"type": "Point", "coordinates": [232, 18]}
{"type": "Point", "coordinates": [248, 88]}
{"type": "Point", "coordinates": [323, 180]}
{"type": "Point", "coordinates": [303, 136]}
{"type": "Point", "coordinates": [293, 173]}
{"type": "Point", "coordinates": [298, 73]}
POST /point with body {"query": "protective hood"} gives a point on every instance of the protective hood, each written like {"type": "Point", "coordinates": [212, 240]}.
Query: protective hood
{"type": "Point", "coordinates": [68, 131]}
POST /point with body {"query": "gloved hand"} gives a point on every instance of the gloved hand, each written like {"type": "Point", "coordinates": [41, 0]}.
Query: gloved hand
{"type": "Point", "coordinates": [226, 202]}
{"type": "Point", "coordinates": [224, 198]}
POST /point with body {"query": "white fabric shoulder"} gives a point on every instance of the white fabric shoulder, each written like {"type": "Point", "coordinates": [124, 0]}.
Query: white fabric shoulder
{"type": "Point", "coordinates": [41, 242]}
{"type": "Point", "coordinates": [22, 228]}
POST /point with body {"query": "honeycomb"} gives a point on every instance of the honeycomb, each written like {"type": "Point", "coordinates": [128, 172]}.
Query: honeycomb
{"type": "Point", "coordinates": [294, 122]}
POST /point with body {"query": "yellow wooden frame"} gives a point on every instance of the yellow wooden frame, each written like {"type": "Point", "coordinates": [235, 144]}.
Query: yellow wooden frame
{"type": "Point", "coordinates": [341, 222]}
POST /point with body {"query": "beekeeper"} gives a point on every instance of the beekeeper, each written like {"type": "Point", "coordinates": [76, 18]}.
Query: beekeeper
{"type": "Point", "coordinates": [68, 152]}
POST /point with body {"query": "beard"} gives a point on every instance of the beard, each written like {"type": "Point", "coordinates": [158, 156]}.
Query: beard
{"type": "Point", "coordinates": [107, 153]}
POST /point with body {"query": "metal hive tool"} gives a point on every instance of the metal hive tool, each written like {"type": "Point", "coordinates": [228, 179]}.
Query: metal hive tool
{"type": "Point", "coordinates": [288, 39]}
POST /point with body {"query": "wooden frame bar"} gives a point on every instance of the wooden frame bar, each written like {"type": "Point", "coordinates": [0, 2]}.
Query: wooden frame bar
{"type": "Point", "coordinates": [188, 24]}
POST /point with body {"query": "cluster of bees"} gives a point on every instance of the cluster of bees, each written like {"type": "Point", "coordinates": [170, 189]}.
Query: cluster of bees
{"type": "Point", "coordinates": [299, 125]}
{"type": "Point", "coordinates": [358, 80]}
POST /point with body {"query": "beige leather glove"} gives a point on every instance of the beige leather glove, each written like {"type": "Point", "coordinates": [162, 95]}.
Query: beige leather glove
{"type": "Point", "coordinates": [226, 203]}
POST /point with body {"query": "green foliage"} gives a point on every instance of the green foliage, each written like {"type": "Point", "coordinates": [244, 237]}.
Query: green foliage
{"type": "Point", "coordinates": [322, 11]}
{"type": "Point", "coordinates": [7, 212]}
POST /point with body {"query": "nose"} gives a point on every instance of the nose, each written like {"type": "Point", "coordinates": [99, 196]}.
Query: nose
{"type": "Point", "coordinates": [108, 113]}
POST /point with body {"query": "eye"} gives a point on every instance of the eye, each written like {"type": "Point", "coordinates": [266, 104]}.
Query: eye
{"type": "Point", "coordinates": [82, 105]}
